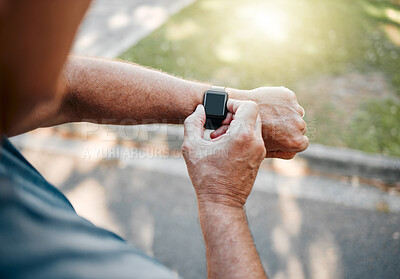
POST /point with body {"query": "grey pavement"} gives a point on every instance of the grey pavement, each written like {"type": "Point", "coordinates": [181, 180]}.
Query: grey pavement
{"type": "Point", "coordinates": [112, 26]}
{"type": "Point", "coordinates": [304, 226]}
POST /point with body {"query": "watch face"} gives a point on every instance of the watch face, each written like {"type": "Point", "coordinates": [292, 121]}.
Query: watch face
{"type": "Point", "coordinates": [214, 103]}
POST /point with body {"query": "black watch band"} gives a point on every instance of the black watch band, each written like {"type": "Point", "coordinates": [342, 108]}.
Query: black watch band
{"type": "Point", "coordinates": [215, 100]}
{"type": "Point", "coordinates": [213, 123]}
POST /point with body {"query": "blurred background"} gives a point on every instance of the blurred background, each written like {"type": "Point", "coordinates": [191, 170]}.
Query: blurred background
{"type": "Point", "coordinates": [342, 58]}
{"type": "Point", "coordinates": [333, 212]}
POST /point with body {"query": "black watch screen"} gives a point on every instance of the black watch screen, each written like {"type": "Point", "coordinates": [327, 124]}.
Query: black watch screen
{"type": "Point", "coordinates": [215, 106]}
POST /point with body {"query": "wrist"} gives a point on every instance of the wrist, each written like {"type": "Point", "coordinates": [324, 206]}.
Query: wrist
{"type": "Point", "coordinates": [221, 205]}
{"type": "Point", "coordinates": [237, 94]}
{"type": "Point", "coordinates": [198, 90]}
{"type": "Point", "coordinates": [216, 215]}
{"type": "Point", "coordinates": [196, 93]}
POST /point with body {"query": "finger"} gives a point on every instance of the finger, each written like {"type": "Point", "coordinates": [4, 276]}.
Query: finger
{"type": "Point", "coordinates": [245, 113]}
{"type": "Point", "coordinates": [303, 112]}
{"type": "Point", "coordinates": [219, 132]}
{"type": "Point", "coordinates": [300, 110]}
{"type": "Point", "coordinates": [259, 126]}
{"type": "Point", "coordinates": [306, 143]}
{"type": "Point", "coordinates": [300, 144]}
{"type": "Point", "coordinates": [194, 124]}
{"type": "Point", "coordinates": [280, 155]}
{"type": "Point", "coordinates": [228, 119]}
{"type": "Point", "coordinates": [304, 131]}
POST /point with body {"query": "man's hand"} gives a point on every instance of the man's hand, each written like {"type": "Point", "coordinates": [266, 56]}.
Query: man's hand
{"type": "Point", "coordinates": [283, 128]}
{"type": "Point", "coordinates": [223, 170]}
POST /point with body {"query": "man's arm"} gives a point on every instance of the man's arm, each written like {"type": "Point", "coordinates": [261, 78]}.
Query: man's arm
{"type": "Point", "coordinates": [107, 91]}
{"type": "Point", "coordinates": [223, 172]}
{"type": "Point", "coordinates": [114, 92]}
{"type": "Point", "coordinates": [230, 249]}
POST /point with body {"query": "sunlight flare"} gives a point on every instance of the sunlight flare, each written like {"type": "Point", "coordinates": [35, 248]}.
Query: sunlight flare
{"type": "Point", "coordinates": [269, 22]}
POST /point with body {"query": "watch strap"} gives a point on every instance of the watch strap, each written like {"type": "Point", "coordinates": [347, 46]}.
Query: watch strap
{"type": "Point", "coordinates": [218, 89]}
{"type": "Point", "coordinates": [213, 123]}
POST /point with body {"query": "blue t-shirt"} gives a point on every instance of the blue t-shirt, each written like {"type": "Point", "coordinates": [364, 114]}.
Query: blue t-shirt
{"type": "Point", "coordinates": [41, 236]}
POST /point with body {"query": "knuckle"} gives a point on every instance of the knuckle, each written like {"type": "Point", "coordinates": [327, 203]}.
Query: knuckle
{"type": "Point", "coordinates": [286, 155]}
{"type": "Point", "coordinates": [297, 142]}
{"type": "Point", "coordinates": [244, 137]}
{"type": "Point", "coordinates": [301, 124]}
{"type": "Point", "coordinates": [187, 120]}
{"type": "Point", "coordinates": [290, 156]}
{"type": "Point", "coordinates": [304, 128]}
{"type": "Point", "coordinates": [289, 93]}
{"type": "Point", "coordinates": [305, 144]}
{"type": "Point", "coordinates": [185, 148]}
{"type": "Point", "coordinates": [299, 108]}
{"type": "Point", "coordinates": [252, 105]}
{"type": "Point", "coordinates": [192, 121]}
{"type": "Point", "coordinates": [260, 148]}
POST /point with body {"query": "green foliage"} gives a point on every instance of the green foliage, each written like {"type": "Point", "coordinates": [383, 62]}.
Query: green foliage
{"type": "Point", "coordinates": [252, 43]}
{"type": "Point", "coordinates": [376, 128]}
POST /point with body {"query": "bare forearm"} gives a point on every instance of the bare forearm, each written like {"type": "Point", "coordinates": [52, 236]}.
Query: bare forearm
{"type": "Point", "coordinates": [114, 92]}
{"type": "Point", "coordinates": [108, 91]}
{"type": "Point", "coordinates": [230, 249]}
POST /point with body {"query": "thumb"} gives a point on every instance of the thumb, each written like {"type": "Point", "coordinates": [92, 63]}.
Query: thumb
{"type": "Point", "coordinates": [194, 124]}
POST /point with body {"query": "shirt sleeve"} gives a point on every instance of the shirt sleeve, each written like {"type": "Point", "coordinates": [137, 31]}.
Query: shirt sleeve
{"type": "Point", "coordinates": [41, 236]}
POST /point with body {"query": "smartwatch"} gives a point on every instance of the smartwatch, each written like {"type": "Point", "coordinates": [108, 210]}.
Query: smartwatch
{"type": "Point", "coordinates": [214, 102]}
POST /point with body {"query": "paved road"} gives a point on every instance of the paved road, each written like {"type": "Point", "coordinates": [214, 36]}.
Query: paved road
{"type": "Point", "coordinates": [112, 26]}
{"type": "Point", "coordinates": [303, 226]}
